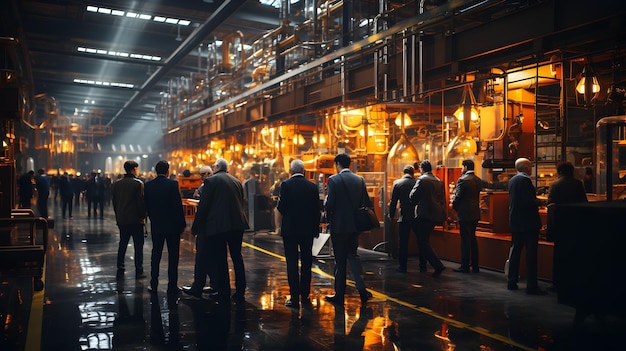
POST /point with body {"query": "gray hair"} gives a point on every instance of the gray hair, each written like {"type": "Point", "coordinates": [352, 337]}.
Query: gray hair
{"type": "Point", "coordinates": [297, 166]}
{"type": "Point", "coordinates": [221, 164]}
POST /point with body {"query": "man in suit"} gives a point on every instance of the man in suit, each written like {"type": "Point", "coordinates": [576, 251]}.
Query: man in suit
{"type": "Point", "coordinates": [95, 194]}
{"type": "Point", "coordinates": [406, 220]}
{"type": "Point", "coordinates": [466, 203]}
{"type": "Point", "coordinates": [42, 183]}
{"type": "Point", "coordinates": [565, 190]}
{"type": "Point", "coordinates": [346, 192]}
{"type": "Point", "coordinates": [525, 223]}
{"type": "Point", "coordinates": [167, 221]}
{"type": "Point", "coordinates": [428, 196]}
{"type": "Point", "coordinates": [219, 222]}
{"type": "Point", "coordinates": [299, 204]}
{"type": "Point", "coordinates": [130, 214]}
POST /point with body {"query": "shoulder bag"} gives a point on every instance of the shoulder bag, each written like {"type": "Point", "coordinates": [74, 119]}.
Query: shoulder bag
{"type": "Point", "coordinates": [364, 217]}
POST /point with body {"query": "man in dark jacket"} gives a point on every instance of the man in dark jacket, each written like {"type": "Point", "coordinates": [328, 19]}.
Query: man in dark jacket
{"type": "Point", "coordinates": [345, 194]}
{"type": "Point", "coordinates": [130, 214]}
{"type": "Point", "coordinates": [525, 223]}
{"type": "Point", "coordinates": [219, 223]}
{"type": "Point", "coordinates": [25, 190]}
{"type": "Point", "coordinates": [67, 193]}
{"type": "Point", "coordinates": [42, 183]}
{"type": "Point", "coordinates": [565, 190]}
{"type": "Point", "coordinates": [167, 222]}
{"type": "Point", "coordinates": [406, 220]}
{"type": "Point", "coordinates": [428, 195]}
{"type": "Point", "coordinates": [95, 195]}
{"type": "Point", "coordinates": [299, 204]}
{"type": "Point", "coordinates": [466, 203]}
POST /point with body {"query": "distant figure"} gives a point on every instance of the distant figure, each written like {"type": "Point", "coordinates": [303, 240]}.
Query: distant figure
{"type": "Point", "coordinates": [219, 223]}
{"type": "Point", "coordinates": [25, 191]}
{"type": "Point", "coordinates": [130, 214]}
{"type": "Point", "coordinates": [346, 192]}
{"type": "Point", "coordinates": [167, 222]}
{"type": "Point", "coordinates": [299, 204]}
{"type": "Point", "coordinates": [466, 203]}
{"type": "Point", "coordinates": [77, 187]}
{"type": "Point", "coordinates": [525, 224]}
{"type": "Point", "coordinates": [274, 193]}
{"type": "Point", "coordinates": [42, 183]}
{"type": "Point", "coordinates": [67, 194]}
{"type": "Point", "coordinates": [95, 194]}
{"type": "Point", "coordinates": [565, 190]}
{"type": "Point", "coordinates": [406, 216]}
{"type": "Point", "coordinates": [428, 195]}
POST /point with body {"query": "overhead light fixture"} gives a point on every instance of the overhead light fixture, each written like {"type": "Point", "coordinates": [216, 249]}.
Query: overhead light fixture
{"type": "Point", "coordinates": [403, 118]}
{"type": "Point", "coordinates": [467, 110]}
{"type": "Point", "coordinates": [588, 84]}
{"type": "Point", "coordinates": [178, 37]}
{"type": "Point", "coordinates": [135, 15]}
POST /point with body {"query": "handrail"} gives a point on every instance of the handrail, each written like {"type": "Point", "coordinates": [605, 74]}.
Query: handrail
{"type": "Point", "coordinates": [33, 231]}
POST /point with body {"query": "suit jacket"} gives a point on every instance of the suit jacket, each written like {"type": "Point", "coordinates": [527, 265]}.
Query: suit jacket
{"type": "Point", "coordinates": [128, 201]}
{"type": "Point", "coordinates": [567, 190]}
{"type": "Point", "coordinates": [401, 190]}
{"type": "Point", "coordinates": [94, 190]}
{"type": "Point", "coordinates": [220, 209]}
{"type": "Point", "coordinates": [523, 204]}
{"type": "Point", "coordinates": [429, 197]}
{"type": "Point", "coordinates": [299, 204]}
{"type": "Point", "coordinates": [346, 192]}
{"type": "Point", "coordinates": [164, 206]}
{"type": "Point", "coordinates": [466, 201]}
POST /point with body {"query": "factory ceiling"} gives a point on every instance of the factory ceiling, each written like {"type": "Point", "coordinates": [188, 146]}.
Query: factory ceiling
{"type": "Point", "coordinates": [111, 60]}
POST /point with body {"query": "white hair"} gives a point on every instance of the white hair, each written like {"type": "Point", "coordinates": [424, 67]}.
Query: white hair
{"type": "Point", "coordinates": [222, 164]}
{"type": "Point", "coordinates": [297, 166]}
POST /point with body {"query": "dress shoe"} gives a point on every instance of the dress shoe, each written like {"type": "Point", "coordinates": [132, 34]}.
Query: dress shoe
{"type": "Point", "coordinates": [512, 286]}
{"type": "Point", "coordinates": [536, 291]}
{"type": "Point", "coordinates": [438, 271]}
{"type": "Point", "coordinates": [120, 274]}
{"type": "Point", "coordinates": [401, 270]}
{"type": "Point", "coordinates": [365, 296]}
{"type": "Point", "coordinates": [193, 293]}
{"type": "Point", "coordinates": [334, 299]}
{"type": "Point", "coordinates": [461, 270]}
{"type": "Point", "coordinates": [475, 270]}
{"type": "Point", "coordinates": [140, 275]}
{"type": "Point", "coordinates": [290, 303]}
{"type": "Point", "coordinates": [207, 290]}
{"type": "Point", "coordinates": [306, 303]}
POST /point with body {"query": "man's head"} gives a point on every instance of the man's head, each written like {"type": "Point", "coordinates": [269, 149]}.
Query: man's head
{"type": "Point", "coordinates": [342, 160]}
{"type": "Point", "coordinates": [162, 168]}
{"type": "Point", "coordinates": [297, 166]}
{"type": "Point", "coordinates": [130, 167]}
{"type": "Point", "coordinates": [523, 165]}
{"type": "Point", "coordinates": [206, 171]}
{"type": "Point", "coordinates": [40, 171]}
{"type": "Point", "coordinates": [425, 166]}
{"type": "Point", "coordinates": [408, 170]}
{"type": "Point", "coordinates": [220, 165]}
{"type": "Point", "coordinates": [468, 165]}
{"type": "Point", "coordinates": [565, 168]}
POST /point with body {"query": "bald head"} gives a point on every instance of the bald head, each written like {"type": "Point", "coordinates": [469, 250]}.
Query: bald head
{"type": "Point", "coordinates": [523, 165]}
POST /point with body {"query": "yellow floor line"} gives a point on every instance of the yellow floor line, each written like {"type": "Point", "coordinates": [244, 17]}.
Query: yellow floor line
{"type": "Point", "coordinates": [33, 335]}
{"type": "Point", "coordinates": [452, 322]}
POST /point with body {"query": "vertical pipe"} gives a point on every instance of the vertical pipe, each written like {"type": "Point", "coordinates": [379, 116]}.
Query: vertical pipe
{"type": "Point", "coordinates": [421, 53]}
{"type": "Point", "coordinates": [405, 68]}
{"type": "Point", "coordinates": [346, 23]}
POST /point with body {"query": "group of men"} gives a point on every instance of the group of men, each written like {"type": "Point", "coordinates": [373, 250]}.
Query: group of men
{"type": "Point", "coordinates": [218, 225]}
{"type": "Point", "coordinates": [68, 187]}
{"type": "Point", "coordinates": [220, 222]}
{"type": "Point", "coordinates": [421, 203]}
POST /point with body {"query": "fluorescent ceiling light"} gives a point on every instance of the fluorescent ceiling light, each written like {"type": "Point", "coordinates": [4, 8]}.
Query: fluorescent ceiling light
{"type": "Point", "coordinates": [118, 53]}
{"type": "Point", "coordinates": [141, 16]}
{"type": "Point", "coordinates": [103, 83]}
